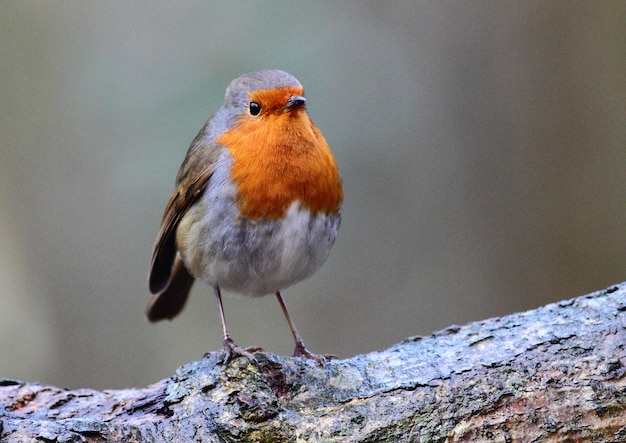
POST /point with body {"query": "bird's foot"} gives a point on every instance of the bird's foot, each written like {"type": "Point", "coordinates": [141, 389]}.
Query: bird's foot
{"type": "Point", "coordinates": [232, 350]}
{"type": "Point", "coordinates": [320, 359]}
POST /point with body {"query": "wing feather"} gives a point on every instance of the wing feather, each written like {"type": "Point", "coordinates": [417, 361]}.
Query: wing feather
{"type": "Point", "coordinates": [191, 182]}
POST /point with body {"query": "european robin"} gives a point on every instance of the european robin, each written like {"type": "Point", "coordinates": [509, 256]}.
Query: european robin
{"type": "Point", "coordinates": [257, 202]}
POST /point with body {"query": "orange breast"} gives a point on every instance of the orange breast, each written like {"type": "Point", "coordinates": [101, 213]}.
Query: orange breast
{"type": "Point", "coordinates": [278, 159]}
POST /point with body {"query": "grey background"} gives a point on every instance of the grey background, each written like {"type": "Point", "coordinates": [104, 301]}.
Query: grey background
{"type": "Point", "coordinates": [482, 147]}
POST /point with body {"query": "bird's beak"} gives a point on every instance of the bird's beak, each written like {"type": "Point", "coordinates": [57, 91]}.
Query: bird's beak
{"type": "Point", "coordinates": [295, 102]}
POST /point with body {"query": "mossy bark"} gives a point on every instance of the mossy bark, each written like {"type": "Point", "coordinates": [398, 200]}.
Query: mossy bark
{"type": "Point", "coordinates": [556, 373]}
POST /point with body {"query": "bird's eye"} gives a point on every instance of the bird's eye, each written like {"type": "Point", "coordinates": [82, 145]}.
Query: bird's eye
{"type": "Point", "coordinates": [255, 108]}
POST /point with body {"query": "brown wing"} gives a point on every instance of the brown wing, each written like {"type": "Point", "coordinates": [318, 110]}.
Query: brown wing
{"type": "Point", "coordinates": [168, 279]}
{"type": "Point", "coordinates": [164, 251]}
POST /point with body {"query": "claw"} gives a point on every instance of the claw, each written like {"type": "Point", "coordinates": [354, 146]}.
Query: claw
{"type": "Point", "coordinates": [231, 350]}
{"type": "Point", "coordinates": [320, 359]}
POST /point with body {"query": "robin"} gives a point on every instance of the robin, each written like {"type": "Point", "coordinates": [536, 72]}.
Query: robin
{"type": "Point", "coordinates": [256, 207]}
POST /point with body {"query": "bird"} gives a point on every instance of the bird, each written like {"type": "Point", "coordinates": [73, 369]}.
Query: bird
{"type": "Point", "coordinates": [256, 206]}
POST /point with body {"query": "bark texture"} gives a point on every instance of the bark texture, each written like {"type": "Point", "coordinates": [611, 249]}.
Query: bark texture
{"type": "Point", "coordinates": [556, 373]}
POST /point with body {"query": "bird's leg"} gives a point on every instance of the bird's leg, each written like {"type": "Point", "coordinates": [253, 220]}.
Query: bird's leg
{"type": "Point", "coordinates": [229, 345]}
{"type": "Point", "coordinates": [300, 350]}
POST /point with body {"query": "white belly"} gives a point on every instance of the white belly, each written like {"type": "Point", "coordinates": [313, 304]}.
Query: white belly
{"type": "Point", "coordinates": [256, 257]}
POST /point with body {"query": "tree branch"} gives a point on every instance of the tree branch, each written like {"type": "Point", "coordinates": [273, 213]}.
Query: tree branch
{"type": "Point", "coordinates": [556, 373]}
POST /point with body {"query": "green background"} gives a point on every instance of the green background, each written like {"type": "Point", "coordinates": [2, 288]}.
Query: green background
{"type": "Point", "coordinates": [482, 147]}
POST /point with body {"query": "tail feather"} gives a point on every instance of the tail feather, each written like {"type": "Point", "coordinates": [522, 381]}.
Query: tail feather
{"type": "Point", "coordinates": [169, 302]}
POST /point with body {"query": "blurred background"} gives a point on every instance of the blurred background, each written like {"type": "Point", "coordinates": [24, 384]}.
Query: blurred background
{"type": "Point", "coordinates": [482, 147]}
